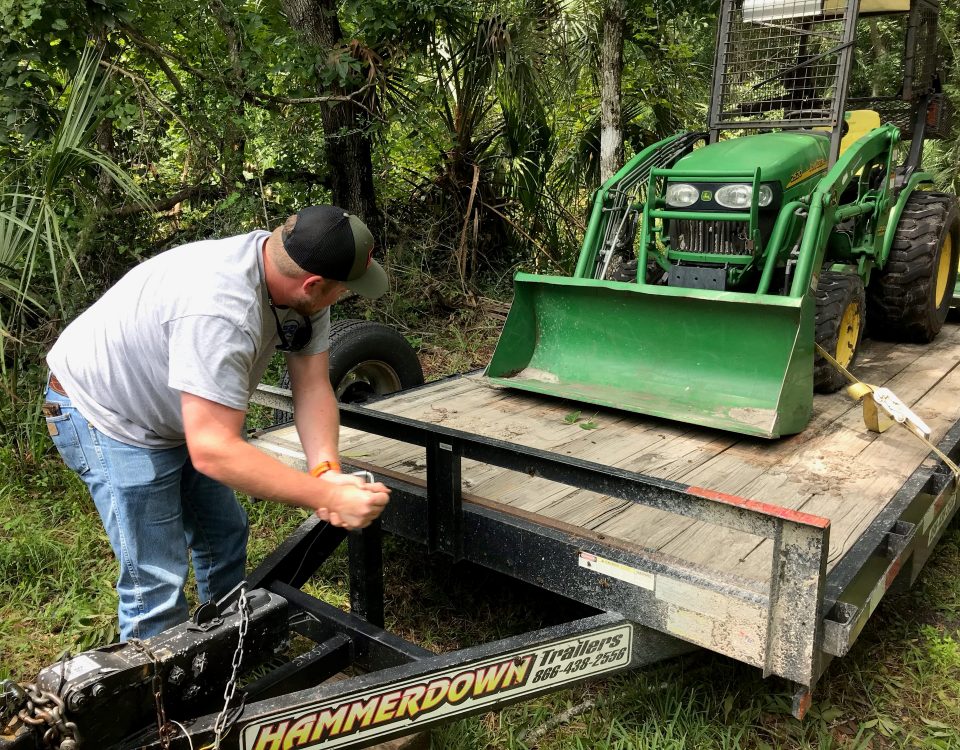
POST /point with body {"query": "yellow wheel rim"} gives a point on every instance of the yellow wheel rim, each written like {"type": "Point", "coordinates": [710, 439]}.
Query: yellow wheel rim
{"type": "Point", "coordinates": [946, 265]}
{"type": "Point", "coordinates": [848, 335]}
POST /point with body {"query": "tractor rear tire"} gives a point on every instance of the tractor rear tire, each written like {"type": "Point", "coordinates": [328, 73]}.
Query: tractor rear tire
{"type": "Point", "coordinates": [367, 359]}
{"type": "Point", "coordinates": [841, 308]}
{"type": "Point", "coordinates": [910, 297]}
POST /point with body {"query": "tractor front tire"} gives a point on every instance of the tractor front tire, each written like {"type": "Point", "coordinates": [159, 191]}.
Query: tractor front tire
{"type": "Point", "coordinates": [841, 309]}
{"type": "Point", "coordinates": [627, 271]}
{"type": "Point", "coordinates": [910, 297]}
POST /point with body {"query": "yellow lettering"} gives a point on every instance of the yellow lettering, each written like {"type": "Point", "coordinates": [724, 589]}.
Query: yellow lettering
{"type": "Point", "coordinates": [461, 686]}
{"type": "Point", "coordinates": [410, 702]}
{"type": "Point", "coordinates": [329, 723]}
{"type": "Point", "coordinates": [517, 673]}
{"type": "Point", "coordinates": [435, 693]}
{"type": "Point", "coordinates": [387, 703]}
{"type": "Point", "coordinates": [362, 712]}
{"type": "Point", "coordinates": [488, 678]}
{"type": "Point", "coordinates": [299, 733]}
{"type": "Point", "coordinates": [270, 738]}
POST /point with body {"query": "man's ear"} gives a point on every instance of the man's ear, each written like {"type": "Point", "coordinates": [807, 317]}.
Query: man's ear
{"type": "Point", "coordinates": [309, 284]}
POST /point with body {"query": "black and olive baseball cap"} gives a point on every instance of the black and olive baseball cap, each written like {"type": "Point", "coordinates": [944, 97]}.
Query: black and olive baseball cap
{"type": "Point", "coordinates": [335, 244]}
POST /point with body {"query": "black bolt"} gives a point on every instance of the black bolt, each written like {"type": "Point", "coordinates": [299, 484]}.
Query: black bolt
{"type": "Point", "coordinates": [77, 701]}
{"type": "Point", "coordinates": [199, 663]}
{"type": "Point", "coordinates": [176, 675]}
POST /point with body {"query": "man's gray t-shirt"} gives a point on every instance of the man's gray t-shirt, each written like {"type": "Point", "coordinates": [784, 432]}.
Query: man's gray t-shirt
{"type": "Point", "coordinates": [194, 319]}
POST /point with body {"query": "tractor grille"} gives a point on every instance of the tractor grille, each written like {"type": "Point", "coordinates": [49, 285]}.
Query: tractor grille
{"type": "Point", "coordinates": [716, 237]}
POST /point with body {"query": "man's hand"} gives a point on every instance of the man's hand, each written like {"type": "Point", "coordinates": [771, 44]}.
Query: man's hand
{"type": "Point", "coordinates": [355, 504]}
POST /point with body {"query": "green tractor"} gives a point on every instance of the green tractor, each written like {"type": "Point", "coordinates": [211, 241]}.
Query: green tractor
{"type": "Point", "coordinates": [713, 261]}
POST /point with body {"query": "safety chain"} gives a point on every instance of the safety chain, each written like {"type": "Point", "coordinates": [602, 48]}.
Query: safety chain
{"type": "Point", "coordinates": [12, 699]}
{"type": "Point", "coordinates": [165, 730]}
{"type": "Point", "coordinates": [220, 725]}
{"type": "Point", "coordinates": [46, 709]}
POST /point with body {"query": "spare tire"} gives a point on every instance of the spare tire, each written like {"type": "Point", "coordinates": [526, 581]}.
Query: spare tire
{"type": "Point", "coordinates": [367, 360]}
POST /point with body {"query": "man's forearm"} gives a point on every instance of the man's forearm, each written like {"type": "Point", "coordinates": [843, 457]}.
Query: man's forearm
{"type": "Point", "coordinates": [317, 418]}
{"type": "Point", "coordinates": [213, 433]}
{"type": "Point", "coordinates": [239, 465]}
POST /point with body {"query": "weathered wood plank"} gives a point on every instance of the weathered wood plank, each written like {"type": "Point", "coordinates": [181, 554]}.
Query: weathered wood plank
{"type": "Point", "coordinates": [834, 468]}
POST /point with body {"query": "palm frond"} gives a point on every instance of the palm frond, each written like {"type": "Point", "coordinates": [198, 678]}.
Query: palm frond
{"type": "Point", "coordinates": [32, 240]}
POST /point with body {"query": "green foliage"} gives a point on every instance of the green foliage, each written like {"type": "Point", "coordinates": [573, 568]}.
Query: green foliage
{"type": "Point", "coordinates": [37, 199]}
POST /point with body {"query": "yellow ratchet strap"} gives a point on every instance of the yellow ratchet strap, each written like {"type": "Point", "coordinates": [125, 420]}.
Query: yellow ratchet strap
{"type": "Point", "coordinates": [882, 409]}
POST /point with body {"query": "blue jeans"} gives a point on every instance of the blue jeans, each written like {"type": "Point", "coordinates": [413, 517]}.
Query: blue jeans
{"type": "Point", "coordinates": [156, 508]}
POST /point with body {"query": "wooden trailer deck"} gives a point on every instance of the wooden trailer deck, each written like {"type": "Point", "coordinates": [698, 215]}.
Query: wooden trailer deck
{"type": "Point", "coordinates": [835, 468]}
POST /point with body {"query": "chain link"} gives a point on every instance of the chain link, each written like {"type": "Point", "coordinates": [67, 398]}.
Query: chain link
{"type": "Point", "coordinates": [46, 709]}
{"type": "Point", "coordinates": [221, 723]}
{"type": "Point", "coordinates": [40, 708]}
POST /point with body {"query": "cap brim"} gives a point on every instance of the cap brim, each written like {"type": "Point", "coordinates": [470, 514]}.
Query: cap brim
{"type": "Point", "coordinates": [374, 282]}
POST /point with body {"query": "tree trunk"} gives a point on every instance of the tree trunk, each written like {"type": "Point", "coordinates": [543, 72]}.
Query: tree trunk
{"type": "Point", "coordinates": [346, 125]}
{"type": "Point", "coordinates": [234, 139]}
{"type": "Point", "coordinates": [611, 127]}
{"type": "Point", "coordinates": [879, 51]}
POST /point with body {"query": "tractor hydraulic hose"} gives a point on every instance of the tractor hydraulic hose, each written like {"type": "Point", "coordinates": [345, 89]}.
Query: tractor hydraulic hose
{"type": "Point", "coordinates": [591, 239]}
{"type": "Point", "coordinates": [777, 237]}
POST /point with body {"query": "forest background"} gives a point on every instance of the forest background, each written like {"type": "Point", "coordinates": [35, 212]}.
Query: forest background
{"type": "Point", "coordinates": [468, 135]}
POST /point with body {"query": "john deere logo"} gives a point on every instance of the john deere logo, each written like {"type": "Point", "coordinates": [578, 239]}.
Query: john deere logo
{"type": "Point", "coordinates": [706, 195]}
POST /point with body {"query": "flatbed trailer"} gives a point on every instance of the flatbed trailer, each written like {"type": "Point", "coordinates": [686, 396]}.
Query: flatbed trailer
{"type": "Point", "coordinates": [774, 553]}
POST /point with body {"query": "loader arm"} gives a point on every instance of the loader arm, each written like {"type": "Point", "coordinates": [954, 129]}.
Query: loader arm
{"type": "Point", "coordinates": [825, 211]}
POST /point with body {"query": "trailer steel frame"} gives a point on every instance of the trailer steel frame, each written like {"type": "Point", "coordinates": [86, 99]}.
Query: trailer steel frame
{"type": "Point", "coordinates": [807, 616]}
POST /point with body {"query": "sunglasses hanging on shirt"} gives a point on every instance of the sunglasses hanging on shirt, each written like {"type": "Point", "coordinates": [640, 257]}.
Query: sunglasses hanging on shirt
{"type": "Point", "coordinates": [295, 341]}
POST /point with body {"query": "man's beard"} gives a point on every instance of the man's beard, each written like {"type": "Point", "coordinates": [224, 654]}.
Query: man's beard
{"type": "Point", "coordinates": [308, 305]}
{"type": "Point", "coordinates": [305, 306]}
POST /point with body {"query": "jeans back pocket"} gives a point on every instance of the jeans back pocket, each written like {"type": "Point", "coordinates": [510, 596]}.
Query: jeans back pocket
{"type": "Point", "coordinates": [63, 432]}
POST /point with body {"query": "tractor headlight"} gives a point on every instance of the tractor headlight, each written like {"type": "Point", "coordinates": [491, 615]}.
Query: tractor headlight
{"type": "Point", "coordinates": [681, 195]}
{"type": "Point", "coordinates": [739, 195]}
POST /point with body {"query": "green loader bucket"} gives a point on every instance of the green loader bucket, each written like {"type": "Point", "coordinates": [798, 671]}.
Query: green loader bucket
{"type": "Point", "coordinates": [734, 361]}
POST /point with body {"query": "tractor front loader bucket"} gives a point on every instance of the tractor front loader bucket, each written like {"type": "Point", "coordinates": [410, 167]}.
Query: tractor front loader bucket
{"type": "Point", "coordinates": [729, 360]}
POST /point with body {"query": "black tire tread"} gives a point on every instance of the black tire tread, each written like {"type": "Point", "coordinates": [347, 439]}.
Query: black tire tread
{"type": "Point", "coordinates": [835, 292]}
{"type": "Point", "coordinates": [900, 297]}
{"type": "Point", "coordinates": [345, 333]}
{"type": "Point", "coordinates": [352, 333]}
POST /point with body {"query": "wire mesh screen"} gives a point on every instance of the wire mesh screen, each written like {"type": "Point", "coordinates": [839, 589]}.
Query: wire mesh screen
{"type": "Point", "coordinates": [903, 114]}
{"type": "Point", "coordinates": [922, 49]}
{"type": "Point", "coordinates": [780, 63]}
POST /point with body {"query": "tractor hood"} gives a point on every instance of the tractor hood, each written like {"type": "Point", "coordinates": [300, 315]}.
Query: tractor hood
{"type": "Point", "coordinates": [786, 157]}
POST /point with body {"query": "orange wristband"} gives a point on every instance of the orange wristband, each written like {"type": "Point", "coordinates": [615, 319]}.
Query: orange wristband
{"type": "Point", "coordinates": [324, 467]}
